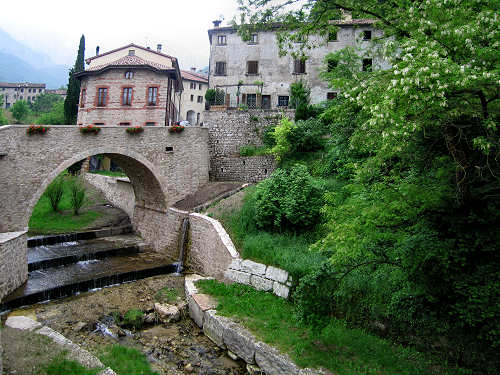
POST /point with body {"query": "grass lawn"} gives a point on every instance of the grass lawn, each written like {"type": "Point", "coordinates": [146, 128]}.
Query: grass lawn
{"type": "Point", "coordinates": [288, 251]}
{"type": "Point", "coordinates": [45, 221]}
{"type": "Point", "coordinates": [342, 350]}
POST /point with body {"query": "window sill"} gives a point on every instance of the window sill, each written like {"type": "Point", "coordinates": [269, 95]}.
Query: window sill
{"type": "Point", "coordinates": [221, 45]}
{"type": "Point", "coordinates": [298, 74]}
{"type": "Point", "coordinates": [252, 74]}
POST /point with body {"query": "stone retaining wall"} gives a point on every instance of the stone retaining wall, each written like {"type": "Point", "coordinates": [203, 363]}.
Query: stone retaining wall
{"type": "Point", "coordinates": [211, 250]}
{"type": "Point", "coordinates": [244, 168]}
{"type": "Point", "coordinates": [260, 276]}
{"type": "Point", "coordinates": [13, 261]}
{"type": "Point", "coordinates": [239, 342]}
{"type": "Point", "coordinates": [117, 190]}
{"type": "Point", "coordinates": [232, 129]}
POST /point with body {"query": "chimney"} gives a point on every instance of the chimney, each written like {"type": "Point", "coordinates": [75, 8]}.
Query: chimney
{"type": "Point", "coordinates": [97, 50]}
{"type": "Point", "coordinates": [158, 48]}
{"type": "Point", "coordinates": [193, 69]}
{"type": "Point", "coordinates": [216, 23]}
{"type": "Point", "coordinates": [346, 15]}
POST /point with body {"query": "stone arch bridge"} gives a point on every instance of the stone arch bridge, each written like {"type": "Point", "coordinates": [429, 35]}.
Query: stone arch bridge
{"type": "Point", "coordinates": [162, 167]}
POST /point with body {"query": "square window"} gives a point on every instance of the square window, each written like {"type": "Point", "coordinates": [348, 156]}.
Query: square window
{"type": "Point", "coordinates": [251, 100]}
{"type": "Point", "coordinates": [124, 123]}
{"type": "Point", "coordinates": [367, 35]}
{"type": "Point", "coordinates": [221, 40]}
{"type": "Point", "coordinates": [331, 95]}
{"type": "Point", "coordinates": [299, 66]}
{"type": "Point", "coordinates": [254, 39]}
{"type": "Point", "coordinates": [102, 96]}
{"type": "Point", "coordinates": [152, 96]}
{"type": "Point", "coordinates": [332, 36]}
{"type": "Point", "coordinates": [99, 124]}
{"type": "Point", "coordinates": [332, 64]}
{"type": "Point", "coordinates": [367, 65]}
{"type": "Point", "coordinates": [283, 101]}
{"type": "Point", "coordinates": [127, 96]}
{"type": "Point", "coordinates": [131, 52]}
{"type": "Point", "coordinates": [150, 123]}
{"type": "Point", "coordinates": [252, 67]}
{"type": "Point", "coordinates": [220, 68]}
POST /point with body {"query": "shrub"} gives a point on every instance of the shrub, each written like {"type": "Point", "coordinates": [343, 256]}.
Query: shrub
{"type": "Point", "coordinates": [90, 129]}
{"type": "Point", "coordinates": [55, 192]}
{"type": "Point", "coordinates": [287, 200]}
{"type": "Point", "coordinates": [281, 137]}
{"type": "Point", "coordinates": [134, 130]}
{"type": "Point", "coordinates": [307, 135]}
{"type": "Point", "coordinates": [134, 319]}
{"type": "Point", "coordinates": [37, 129]}
{"type": "Point", "coordinates": [77, 194]}
{"type": "Point", "coordinates": [253, 151]}
{"type": "Point", "coordinates": [55, 116]}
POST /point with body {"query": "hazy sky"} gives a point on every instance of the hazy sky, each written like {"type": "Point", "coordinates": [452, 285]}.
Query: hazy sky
{"type": "Point", "coordinates": [55, 26]}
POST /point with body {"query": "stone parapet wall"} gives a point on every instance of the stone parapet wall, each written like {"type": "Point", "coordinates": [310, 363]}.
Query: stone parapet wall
{"type": "Point", "coordinates": [117, 190]}
{"type": "Point", "coordinates": [13, 261]}
{"type": "Point", "coordinates": [230, 130]}
{"type": "Point", "coordinates": [260, 276]}
{"type": "Point", "coordinates": [245, 168]}
{"type": "Point", "coordinates": [232, 336]}
{"type": "Point", "coordinates": [211, 250]}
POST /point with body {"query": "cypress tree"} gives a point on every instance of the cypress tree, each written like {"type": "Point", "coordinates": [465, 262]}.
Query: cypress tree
{"type": "Point", "coordinates": [73, 93]}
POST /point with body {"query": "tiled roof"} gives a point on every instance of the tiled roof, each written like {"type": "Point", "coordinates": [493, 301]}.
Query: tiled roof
{"type": "Point", "coordinates": [130, 61]}
{"type": "Point", "coordinates": [193, 76]}
{"type": "Point", "coordinates": [23, 84]}
{"type": "Point", "coordinates": [129, 46]}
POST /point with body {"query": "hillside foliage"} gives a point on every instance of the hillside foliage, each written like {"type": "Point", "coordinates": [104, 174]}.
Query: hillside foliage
{"type": "Point", "coordinates": [411, 231]}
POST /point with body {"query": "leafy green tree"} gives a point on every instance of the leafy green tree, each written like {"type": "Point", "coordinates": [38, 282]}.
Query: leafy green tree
{"type": "Point", "coordinates": [55, 116]}
{"type": "Point", "coordinates": [3, 119]}
{"type": "Point", "coordinates": [73, 93]}
{"type": "Point", "coordinates": [44, 102]}
{"type": "Point", "coordinates": [20, 110]}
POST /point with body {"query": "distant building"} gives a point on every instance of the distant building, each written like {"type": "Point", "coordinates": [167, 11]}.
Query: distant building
{"type": "Point", "coordinates": [60, 92]}
{"type": "Point", "coordinates": [252, 72]}
{"type": "Point", "coordinates": [193, 97]}
{"type": "Point", "coordinates": [130, 86]}
{"type": "Point", "coordinates": [12, 92]}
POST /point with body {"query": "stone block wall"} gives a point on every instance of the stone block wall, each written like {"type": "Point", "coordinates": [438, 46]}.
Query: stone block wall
{"type": "Point", "coordinates": [160, 229]}
{"type": "Point", "coordinates": [260, 276]}
{"type": "Point", "coordinates": [232, 129]}
{"type": "Point", "coordinates": [211, 250]}
{"type": "Point", "coordinates": [245, 168]}
{"type": "Point", "coordinates": [118, 191]}
{"type": "Point", "coordinates": [13, 261]}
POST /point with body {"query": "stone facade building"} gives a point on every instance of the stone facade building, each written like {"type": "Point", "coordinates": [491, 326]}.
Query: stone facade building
{"type": "Point", "coordinates": [193, 97]}
{"type": "Point", "coordinates": [239, 66]}
{"type": "Point", "coordinates": [12, 92]}
{"type": "Point", "coordinates": [130, 86]}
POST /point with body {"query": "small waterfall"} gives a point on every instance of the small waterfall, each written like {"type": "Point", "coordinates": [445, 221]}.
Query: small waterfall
{"type": "Point", "coordinates": [182, 245]}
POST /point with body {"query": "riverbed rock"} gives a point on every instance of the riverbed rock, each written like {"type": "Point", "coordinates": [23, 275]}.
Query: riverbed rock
{"type": "Point", "coordinates": [240, 341]}
{"type": "Point", "coordinates": [167, 313]}
{"type": "Point", "coordinates": [273, 362]}
{"type": "Point", "coordinates": [23, 323]}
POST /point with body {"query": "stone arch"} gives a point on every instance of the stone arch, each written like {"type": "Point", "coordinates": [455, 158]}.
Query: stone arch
{"type": "Point", "coordinates": [145, 179]}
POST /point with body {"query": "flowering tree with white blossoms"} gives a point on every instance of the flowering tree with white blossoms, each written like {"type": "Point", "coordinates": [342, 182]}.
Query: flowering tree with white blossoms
{"type": "Point", "coordinates": [417, 225]}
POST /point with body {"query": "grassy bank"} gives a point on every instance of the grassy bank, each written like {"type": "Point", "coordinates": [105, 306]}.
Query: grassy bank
{"type": "Point", "coordinates": [289, 251]}
{"type": "Point", "coordinates": [340, 349]}
{"type": "Point", "coordinates": [45, 221]}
